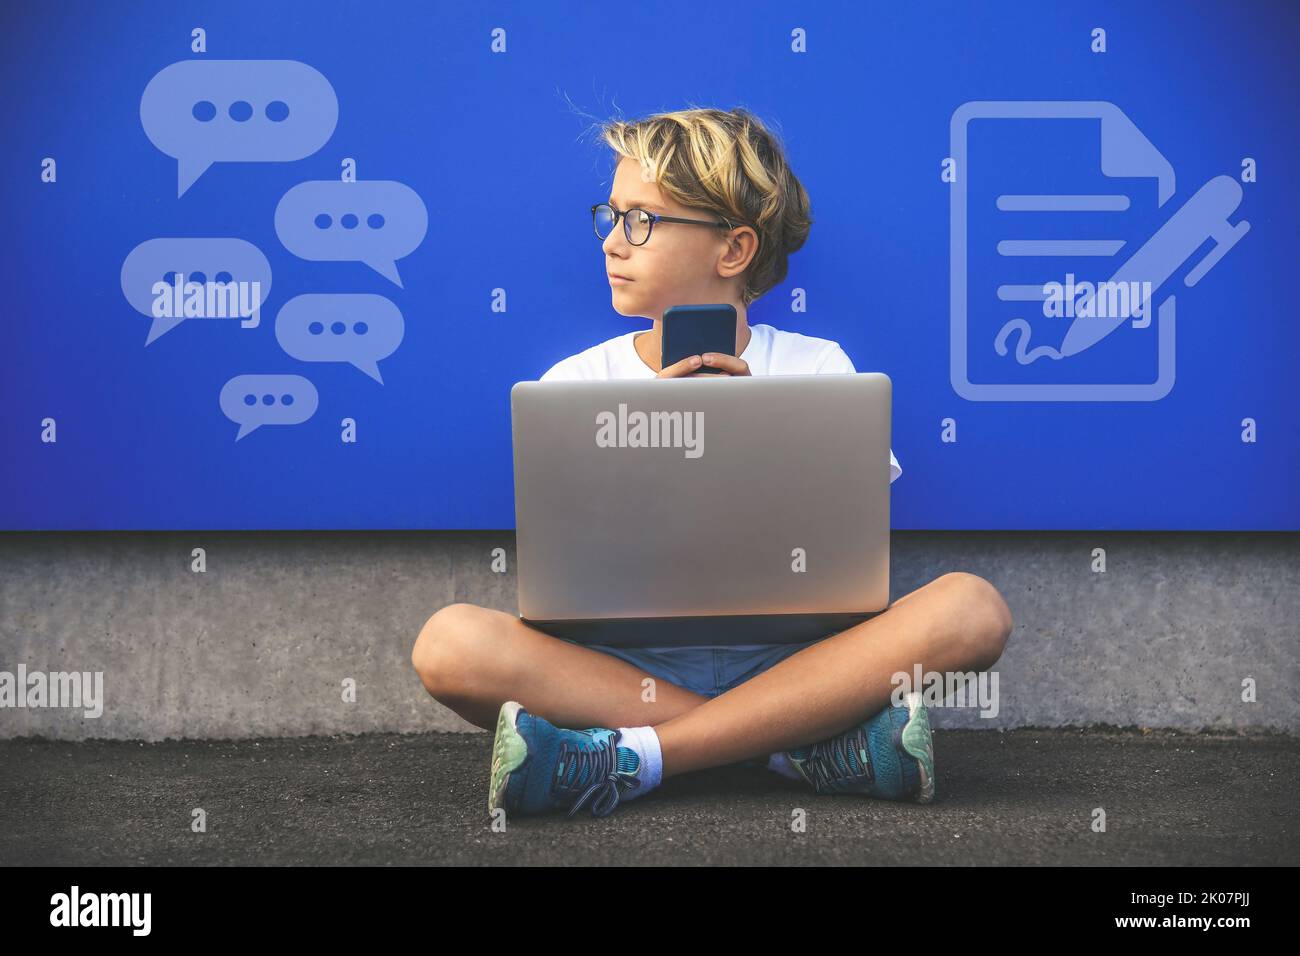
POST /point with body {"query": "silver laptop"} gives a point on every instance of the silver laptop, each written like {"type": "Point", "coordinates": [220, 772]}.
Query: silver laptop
{"type": "Point", "coordinates": [662, 512]}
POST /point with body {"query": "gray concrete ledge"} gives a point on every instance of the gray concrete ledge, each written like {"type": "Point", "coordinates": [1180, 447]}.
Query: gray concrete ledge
{"type": "Point", "coordinates": [259, 644]}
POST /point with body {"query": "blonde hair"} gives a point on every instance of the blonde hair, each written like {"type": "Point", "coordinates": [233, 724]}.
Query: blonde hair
{"type": "Point", "coordinates": [729, 163]}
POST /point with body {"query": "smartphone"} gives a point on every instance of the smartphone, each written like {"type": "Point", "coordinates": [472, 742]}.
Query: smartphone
{"type": "Point", "coordinates": [696, 329]}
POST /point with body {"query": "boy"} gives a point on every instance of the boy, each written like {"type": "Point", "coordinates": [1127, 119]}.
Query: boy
{"type": "Point", "coordinates": [704, 209]}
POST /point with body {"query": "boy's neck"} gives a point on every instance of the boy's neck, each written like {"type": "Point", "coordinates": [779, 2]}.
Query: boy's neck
{"type": "Point", "coordinates": [648, 344]}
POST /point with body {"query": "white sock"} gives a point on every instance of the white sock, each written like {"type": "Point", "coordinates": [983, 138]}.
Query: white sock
{"type": "Point", "coordinates": [645, 743]}
{"type": "Point", "coordinates": [782, 765]}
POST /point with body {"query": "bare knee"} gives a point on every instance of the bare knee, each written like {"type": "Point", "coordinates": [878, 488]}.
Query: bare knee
{"type": "Point", "coordinates": [986, 620]}
{"type": "Point", "coordinates": [447, 652]}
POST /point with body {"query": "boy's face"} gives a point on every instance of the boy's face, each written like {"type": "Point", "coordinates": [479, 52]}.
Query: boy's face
{"type": "Point", "coordinates": [680, 264]}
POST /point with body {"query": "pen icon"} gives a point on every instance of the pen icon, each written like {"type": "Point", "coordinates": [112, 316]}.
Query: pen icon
{"type": "Point", "coordinates": [1204, 216]}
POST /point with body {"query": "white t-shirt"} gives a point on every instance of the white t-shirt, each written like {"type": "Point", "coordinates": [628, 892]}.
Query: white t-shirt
{"type": "Point", "coordinates": [770, 351]}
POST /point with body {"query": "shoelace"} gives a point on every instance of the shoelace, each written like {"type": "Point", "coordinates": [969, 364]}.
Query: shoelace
{"type": "Point", "coordinates": [838, 759]}
{"type": "Point", "coordinates": [603, 778]}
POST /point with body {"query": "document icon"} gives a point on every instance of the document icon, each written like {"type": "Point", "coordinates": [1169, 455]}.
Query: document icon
{"type": "Point", "coordinates": [1063, 250]}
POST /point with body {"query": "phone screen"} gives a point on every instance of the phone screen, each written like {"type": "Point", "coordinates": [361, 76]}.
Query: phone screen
{"type": "Point", "coordinates": [696, 329]}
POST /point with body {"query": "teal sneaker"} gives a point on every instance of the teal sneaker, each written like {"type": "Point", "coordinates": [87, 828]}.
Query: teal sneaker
{"type": "Point", "coordinates": [538, 767]}
{"type": "Point", "coordinates": [889, 756]}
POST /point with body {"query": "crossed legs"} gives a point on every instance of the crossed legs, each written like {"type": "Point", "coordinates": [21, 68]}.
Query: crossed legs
{"type": "Point", "coordinates": [473, 659]}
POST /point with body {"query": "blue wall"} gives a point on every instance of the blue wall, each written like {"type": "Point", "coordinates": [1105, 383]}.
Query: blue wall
{"type": "Point", "coordinates": [490, 144]}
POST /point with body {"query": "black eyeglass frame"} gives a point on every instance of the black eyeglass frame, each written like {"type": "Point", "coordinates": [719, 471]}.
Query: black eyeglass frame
{"type": "Point", "coordinates": [654, 218]}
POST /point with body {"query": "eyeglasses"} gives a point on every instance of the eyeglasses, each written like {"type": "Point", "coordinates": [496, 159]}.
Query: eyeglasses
{"type": "Point", "coordinates": [638, 223]}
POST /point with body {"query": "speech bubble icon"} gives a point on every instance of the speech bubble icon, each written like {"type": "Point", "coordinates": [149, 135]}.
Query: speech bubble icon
{"type": "Point", "coordinates": [201, 112]}
{"type": "Point", "coordinates": [375, 221]}
{"type": "Point", "coordinates": [256, 400]}
{"type": "Point", "coordinates": [357, 328]}
{"type": "Point", "coordinates": [233, 272]}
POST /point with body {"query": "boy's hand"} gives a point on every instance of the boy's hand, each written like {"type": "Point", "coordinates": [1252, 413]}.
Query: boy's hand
{"type": "Point", "coordinates": [690, 366]}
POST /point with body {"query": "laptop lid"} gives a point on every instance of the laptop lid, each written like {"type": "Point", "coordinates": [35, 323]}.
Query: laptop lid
{"type": "Point", "coordinates": [746, 509]}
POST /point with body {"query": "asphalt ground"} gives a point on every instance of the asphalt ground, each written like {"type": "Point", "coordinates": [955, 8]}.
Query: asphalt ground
{"type": "Point", "coordinates": [1015, 797]}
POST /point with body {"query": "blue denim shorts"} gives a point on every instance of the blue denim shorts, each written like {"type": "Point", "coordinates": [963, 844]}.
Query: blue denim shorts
{"type": "Point", "coordinates": [709, 671]}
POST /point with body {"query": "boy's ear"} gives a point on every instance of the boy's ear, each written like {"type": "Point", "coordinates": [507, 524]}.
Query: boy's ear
{"type": "Point", "coordinates": [742, 246]}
